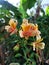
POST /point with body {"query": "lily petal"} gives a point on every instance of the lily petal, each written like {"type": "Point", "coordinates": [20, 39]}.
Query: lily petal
{"type": "Point", "coordinates": [21, 33]}
{"type": "Point", "coordinates": [7, 28]}
{"type": "Point", "coordinates": [12, 23]}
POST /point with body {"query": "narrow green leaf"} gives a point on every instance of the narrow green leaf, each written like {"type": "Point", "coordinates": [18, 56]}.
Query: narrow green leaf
{"type": "Point", "coordinates": [18, 55]}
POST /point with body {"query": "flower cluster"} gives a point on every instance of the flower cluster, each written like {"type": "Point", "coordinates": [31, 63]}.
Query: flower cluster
{"type": "Point", "coordinates": [27, 30]}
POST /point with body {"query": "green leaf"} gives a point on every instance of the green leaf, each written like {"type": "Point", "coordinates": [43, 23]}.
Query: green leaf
{"type": "Point", "coordinates": [37, 56]}
{"type": "Point", "coordinates": [31, 55]}
{"type": "Point", "coordinates": [16, 48]}
{"type": "Point", "coordinates": [27, 3]}
{"type": "Point", "coordinates": [33, 63]}
{"type": "Point", "coordinates": [47, 10]}
{"type": "Point", "coordinates": [18, 55]}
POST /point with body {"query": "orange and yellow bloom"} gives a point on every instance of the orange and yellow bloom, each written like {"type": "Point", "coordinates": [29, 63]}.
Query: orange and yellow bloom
{"type": "Point", "coordinates": [38, 44]}
{"type": "Point", "coordinates": [28, 29]}
{"type": "Point", "coordinates": [11, 28]}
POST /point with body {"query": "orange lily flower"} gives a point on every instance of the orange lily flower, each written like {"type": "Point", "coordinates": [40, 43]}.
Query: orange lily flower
{"type": "Point", "coordinates": [28, 29]}
{"type": "Point", "coordinates": [11, 28]}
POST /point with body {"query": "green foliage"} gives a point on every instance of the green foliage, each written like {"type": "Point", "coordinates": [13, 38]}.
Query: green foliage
{"type": "Point", "coordinates": [18, 55]}
{"type": "Point", "coordinates": [24, 5]}
{"type": "Point", "coordinates": [16, 48]}
{"type": "Point", "coordinates": [24, 14]}
{"type": "Point", "coordinates": [24, 54]}
{"type": "Point", "coordinates": [47, 10]}
{"type": "Point", "coordinates": [27, 3]}
{"type": "Point", "coordinates": [8, 6]}
{"type": "Point", "coordinates": [6, 13]}
{"type": "Point", "coordinates": [43, 23]}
